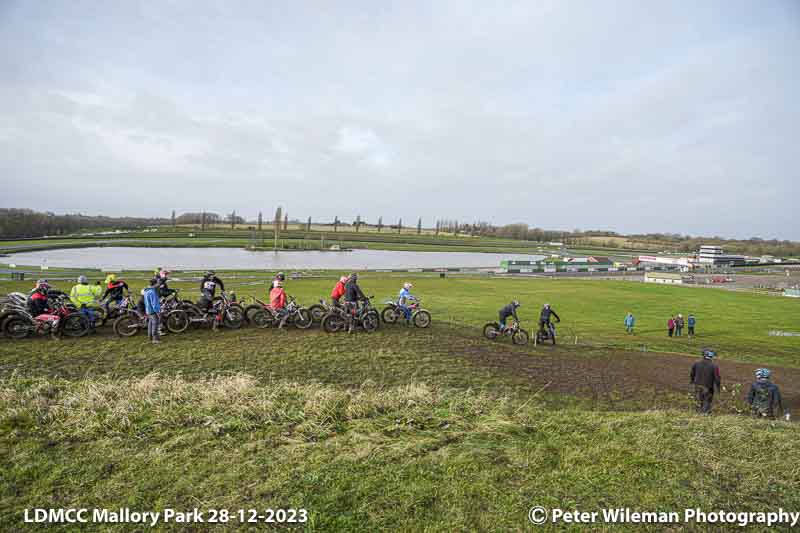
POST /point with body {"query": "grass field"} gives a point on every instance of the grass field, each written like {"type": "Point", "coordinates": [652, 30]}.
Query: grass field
{"type": "Point", "coordinates": [404, 429]}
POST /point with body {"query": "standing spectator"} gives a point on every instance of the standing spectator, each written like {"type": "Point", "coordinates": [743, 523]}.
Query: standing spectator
{"type": "Point", "coordinates": [690, 322]}
{"type": "Point", "coordinates": [678, 325]}
{"type": "Point", "coordinates": [671, 326]}
{"type": "Point", "coordinates": [152, 306]}
{"type": "Point", "coordinates": [629, 322]}
{"type": "Point", "coordinates": [764, 396]}
{"type": "Point", "coordinates": [705, 378]}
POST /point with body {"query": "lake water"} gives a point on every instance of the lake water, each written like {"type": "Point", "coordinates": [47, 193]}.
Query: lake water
{"type": "Point", "coordinates": [118, 258]}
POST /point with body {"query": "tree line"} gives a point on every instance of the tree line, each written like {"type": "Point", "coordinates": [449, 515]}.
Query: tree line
{"type": "Point", "coordinates": [27, 223]}
{"type": "Point", "coordinates": [24, 223]}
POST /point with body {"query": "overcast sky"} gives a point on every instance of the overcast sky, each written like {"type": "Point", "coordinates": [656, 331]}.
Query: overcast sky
{"type": "Point", "coordinates": [632, 116]}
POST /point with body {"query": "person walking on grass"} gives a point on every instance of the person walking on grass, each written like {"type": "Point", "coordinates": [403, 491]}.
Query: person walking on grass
{"type": "Point", "coordinates": [152, 306]}
{"type": "Point", "coordinates": [671, 326]}
{"type": "Point", "coordinates": [765, 397]}
{"type": "Point", "coordinates": [690, 322]}
{"type": "Point", "coordinates": [705, 378]}
{"type": "Point", "coordinates": [678, 325]}
{"type": "Point", "coordinates": [629, 323]}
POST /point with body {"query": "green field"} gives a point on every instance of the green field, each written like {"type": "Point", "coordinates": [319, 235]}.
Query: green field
{"type": "Point", "coordinates": [404, 429]}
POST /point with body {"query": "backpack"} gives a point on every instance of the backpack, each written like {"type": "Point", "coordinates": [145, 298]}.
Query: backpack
{"type": "Point", "coordinates": [761, 404]}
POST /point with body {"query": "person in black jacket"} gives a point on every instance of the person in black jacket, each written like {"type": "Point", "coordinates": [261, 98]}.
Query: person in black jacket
{"type": "Point", "coordinates": [352, 295]}
{"type": "Point", "coordinates": [544, 318]}
{"type": "Point", "coordinates": [509, 310]}
{"type": "Point", "coordinates": [764, 396]}
{"type": "Point", "coordinates": [208, 288]}
{"type": "Point", "coordinates": [161, 279]}
{"type": "Point", "coordinates": [114, 289]}
{"type": "Point", "coordinates": [705, 378]}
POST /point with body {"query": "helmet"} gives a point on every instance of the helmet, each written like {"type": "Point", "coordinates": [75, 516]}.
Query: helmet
{"type": "Point", "coordinates": [515, 303]}
{"type": "Point", "coordinates": [763, 373]}
{"type": "Point", "coordinates": [210, 273]}
{"type": "Point", "coordinates": [163, 273]}
{"type": "Point", "coordinates": [111, 278]}
{"type": "Point", "coordinates": [547, 306]}
{"type": "Point", "coordinates": [82, 280]}
{"type": "Point", "coordinates": [709, 354]}
{"type": "Point", "coordinates": [407, 285]}
{"type": "Point", "coordinates": [41, 285]}
{"type": "Point", "coordinates": [343, 279]}
{"type": "Point", "coordinates": [280, 276]}
{"type": "Point", "coordinates": [354, 276]}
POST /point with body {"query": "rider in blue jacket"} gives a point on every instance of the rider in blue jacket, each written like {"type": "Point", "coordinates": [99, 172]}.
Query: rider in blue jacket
{"type": "Point", "coordinates": [404, 298]}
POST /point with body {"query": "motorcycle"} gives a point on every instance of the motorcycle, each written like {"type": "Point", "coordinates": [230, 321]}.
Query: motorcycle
{"type": "Point", "coordinates": [318, 311]}
{"type": "Point", "coordinates": [549, 334]}
{"type": "Point", "coordinates": [222, 311]}
{"type": "Point", "coordinates": [129, 324]}
{"type": "Point", "coordinates": [393, 313]}
{"type": "Point", "coordinates": [365, 316]}
{"type": "Point", "coordinates": [63, 320]}
{"type": "Point", "coordinates": [518, 335]}
{"type": "Point", "coordinates": [294, 314]}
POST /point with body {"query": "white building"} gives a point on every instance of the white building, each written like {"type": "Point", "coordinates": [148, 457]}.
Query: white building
{"type": "Point", "coordinates": [668, 278]}
{"type": "Point", "coordinates": [714, 255]}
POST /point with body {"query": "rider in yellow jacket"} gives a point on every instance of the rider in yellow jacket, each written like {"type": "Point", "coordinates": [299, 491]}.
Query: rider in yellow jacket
{"type": "Point", "coordinates": [85, 296]}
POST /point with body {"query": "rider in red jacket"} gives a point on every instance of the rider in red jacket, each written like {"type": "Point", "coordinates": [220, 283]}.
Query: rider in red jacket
{"type": "Point", "coordinates": [338, 290]}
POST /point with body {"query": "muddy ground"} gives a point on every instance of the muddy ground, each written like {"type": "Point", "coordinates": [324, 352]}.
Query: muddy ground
{"type": "Point", "coordinates": [625, 380]}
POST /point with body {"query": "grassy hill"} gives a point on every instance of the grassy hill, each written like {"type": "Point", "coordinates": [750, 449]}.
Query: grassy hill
{"type": "Point", "coordinates": [406, 429]}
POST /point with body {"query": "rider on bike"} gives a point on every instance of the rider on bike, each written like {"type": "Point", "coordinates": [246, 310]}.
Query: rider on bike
{"type": "Point", "coordinates": [352, 296]}
{"type": "Point", "coordinates": [161, 279]}
{"type": "Point", "coordinates": [37, 299]}
{"type": "Point", "coordinates": [277, 301]}
{"type": "Point", "coordinates": [84, 296]}
{"type": "Point", "coordinates": [208, 287]}
{"type": "Point", "coordinates": [403, 299]}
{"type": "Point", "coordinates": [544, 319]}
{"type": "Point", "coordinates": [338, 291]}
{"type": "Point", "coordinates": [114, 289]}
{"type": "Point", "coordinates": [509, 310]}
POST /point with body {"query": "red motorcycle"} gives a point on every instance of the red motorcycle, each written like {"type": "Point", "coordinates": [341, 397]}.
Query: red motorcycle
{"type": "Point", "coordinates": [62, 320]}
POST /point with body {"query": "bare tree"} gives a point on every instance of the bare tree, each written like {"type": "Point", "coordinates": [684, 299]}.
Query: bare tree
{"type": "Point", "coordinates": [173, 218]}
{"type": "Point", "coordinates": [380, 224]}
{"type": "Point", "coordinates": [203, 221]}
{"type": "Point", "coordinates": [286, 222]}
{"type": "Point", "coordinates": [419, 226]}
{"type": "Point", "coordinates": [336, 224]}
{"type": "Point", "coordinates": [260, 220]}
{"type": "Point", "coordinates": [276, 226]}
{"type": "Point", "coordinates": [308, 225]}
{"type": "Point", "coordinates": [358, 223]}
{"type": "Point", "coordinates": [438, 223]}
{"type": "Point", "coordinates": [399, 225]}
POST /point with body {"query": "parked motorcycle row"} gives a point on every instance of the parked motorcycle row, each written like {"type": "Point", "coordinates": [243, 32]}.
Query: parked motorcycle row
{"type": "Point", "coordinates": [178, 315]}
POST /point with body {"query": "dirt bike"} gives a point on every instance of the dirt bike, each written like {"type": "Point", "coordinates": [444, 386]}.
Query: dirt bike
{"type": "Point", "coordinates": [222, 311]}
{"type": "Point", "coordinates": [318, 311]}
{"type": "Point", "coordinates": [365, 316]}
{"type": "Point", "coordinates": [549, 334]}
{"type": "Point", "coordinates": [63, 320]}
{"type": "Point", "coordinates": [518, 335]}
{"type": "Point", "coordinates": [294, 314]}
{"type": "Point", "coordinates": [393, 313]}
{"type": "Point", "coordinates": [129, 324]}
{"type": "Point", "coordinates": [107, 313]}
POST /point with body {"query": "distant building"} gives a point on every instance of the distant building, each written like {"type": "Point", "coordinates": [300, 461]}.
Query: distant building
{"type": "Point", "coordinates": [714, 256]}
{"type": "Point", "coordinates": [669, 278]}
